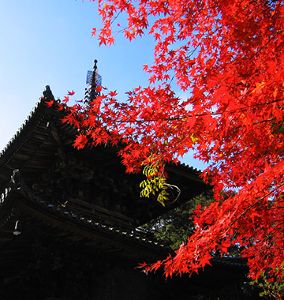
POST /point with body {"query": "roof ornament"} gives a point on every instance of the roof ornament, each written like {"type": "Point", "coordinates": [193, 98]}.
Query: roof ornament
{"type": "Point", "coordinates": [93, 80]}
{"type": "Point", "coordinates": [47, 94]}
{"type": "Point", "coordinates": [16, 179]}
{"type": "Point", "coordinates": [17, 230]}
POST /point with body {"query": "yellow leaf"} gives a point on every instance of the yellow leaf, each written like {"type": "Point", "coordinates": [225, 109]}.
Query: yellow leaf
{"type": "Point", "coordinates": [193, 138]}
{"type": "Point", "coordinates": [258, 87]}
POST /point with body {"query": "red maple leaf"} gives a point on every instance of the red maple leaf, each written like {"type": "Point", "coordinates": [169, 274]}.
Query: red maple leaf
{"type": "Point", "coordinates": [80, 141]}
{"type": "Point", "coordinates": [66, 99]}
{"type": "Point", "coordinates": [99, 88]}
{"type": "Point", "coordinates": [94, 32]}
{"type": "Point", "coordinates": [71, 93]}
{"type": "Point", "coordinates": [49, 103]}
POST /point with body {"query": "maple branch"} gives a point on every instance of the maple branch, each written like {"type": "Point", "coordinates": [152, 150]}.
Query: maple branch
{"type": "Point", "coordinates": [177, 188]}
{"type": "Point", "coordinates": [253, 205]}
{"type": "Point", "coordinates": [195, 115]}
{"type": "Point", "coordinates": [113, 19]}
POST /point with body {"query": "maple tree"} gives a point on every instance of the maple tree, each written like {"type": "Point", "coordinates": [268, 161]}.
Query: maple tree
{"type": "Point", "coordinates": [228, 57]}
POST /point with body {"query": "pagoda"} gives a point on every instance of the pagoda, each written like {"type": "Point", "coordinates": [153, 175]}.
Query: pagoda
{"type": "Point", "coordinates": [70, 219]}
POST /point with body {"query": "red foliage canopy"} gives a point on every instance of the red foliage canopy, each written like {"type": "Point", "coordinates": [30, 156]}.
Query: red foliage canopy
{"type": "Point", "coordinates": [228, 56]}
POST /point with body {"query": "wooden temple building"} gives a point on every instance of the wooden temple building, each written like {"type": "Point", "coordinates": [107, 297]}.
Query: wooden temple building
{"type": "Point", "coordinates": [69, 223]}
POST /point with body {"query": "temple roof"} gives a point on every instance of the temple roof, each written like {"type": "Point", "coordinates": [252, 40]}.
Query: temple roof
{"type": "Point", "coordinates": [35, 144]}
{"type": "Point", "coordinates": [38, 130]}
{"type": "Point", "coordinates": [41, 140]}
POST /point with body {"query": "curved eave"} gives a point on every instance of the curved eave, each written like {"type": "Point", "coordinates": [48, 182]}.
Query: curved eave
{"type": "Point", "coordinates": [33, 147]}
{"type": "Point", "coordinates": [14, 144]}
{"type": "Point", "coordinates": [22, 146]}
{"type": "Point", "coordinates": [100, 236]}
{"type": "Point", "coordinates": [92, 233]}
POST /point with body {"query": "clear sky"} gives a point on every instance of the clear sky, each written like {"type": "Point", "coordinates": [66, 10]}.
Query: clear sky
{"type": "Point", "coordinates": [49, 42]}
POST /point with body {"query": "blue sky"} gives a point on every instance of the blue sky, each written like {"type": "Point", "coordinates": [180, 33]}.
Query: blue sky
{"type": "Point", "coordinates": [49, 42]}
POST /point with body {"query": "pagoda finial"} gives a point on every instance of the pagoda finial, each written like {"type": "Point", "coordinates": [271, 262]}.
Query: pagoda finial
{"type": "Point", "coordinates": [93, 81]}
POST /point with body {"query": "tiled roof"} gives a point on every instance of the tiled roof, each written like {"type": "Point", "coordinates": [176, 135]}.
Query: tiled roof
{"type": "Point", "coordinates": [88, 222]}
{"type": "Point", "coordinates": [30, 119]}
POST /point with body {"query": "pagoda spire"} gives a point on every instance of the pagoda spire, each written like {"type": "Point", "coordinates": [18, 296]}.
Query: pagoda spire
{"type": "Point", "coordinates": [93, 81]}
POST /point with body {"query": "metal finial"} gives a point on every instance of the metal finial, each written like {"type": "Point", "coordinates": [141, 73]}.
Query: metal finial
{"type": "Point", "coordinates": [95, 64]}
